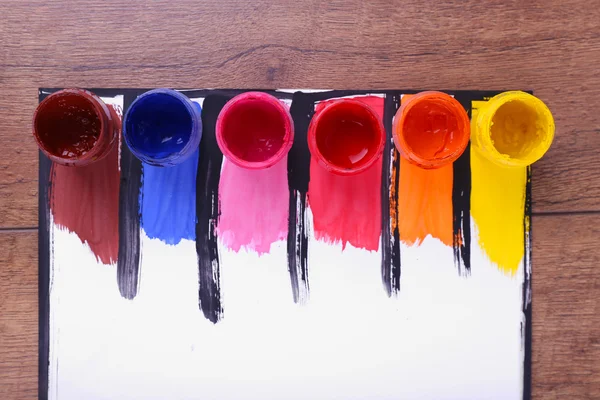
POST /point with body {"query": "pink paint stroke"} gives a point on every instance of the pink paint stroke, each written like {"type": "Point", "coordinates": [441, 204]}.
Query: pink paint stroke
{"type": "Point", "coordinates": [254, 207]}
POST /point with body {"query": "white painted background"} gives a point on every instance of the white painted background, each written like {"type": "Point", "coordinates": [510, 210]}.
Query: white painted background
{"type": "Point", "coordinates": [444, 336]}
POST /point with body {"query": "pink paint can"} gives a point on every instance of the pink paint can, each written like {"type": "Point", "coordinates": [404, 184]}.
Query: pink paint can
{"type": "Point", "coordinates": [255, 130]}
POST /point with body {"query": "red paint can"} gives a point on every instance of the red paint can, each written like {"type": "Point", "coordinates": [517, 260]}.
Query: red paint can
{"type": "Point", "coordinates": [74, 127]}
{"type": "Point", "coordinates": [346, 137]}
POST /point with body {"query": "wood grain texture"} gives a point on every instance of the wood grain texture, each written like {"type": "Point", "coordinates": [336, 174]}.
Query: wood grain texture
{"type": "Point", "coordinates": [551, 47]}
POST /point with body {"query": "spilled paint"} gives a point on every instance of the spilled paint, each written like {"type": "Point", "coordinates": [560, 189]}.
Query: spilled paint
{"type": "Point", "coordinates": [254, 206]}
{"type": "Point", "coordinates": [425, 203]}
{"type": "Point", "coordinates": [85, 200]}
{"type": "Point", "coordinates": [207, 212]}
{"type": "Point", "coordinates": [498, 207]}
{"type": "Point", "coordinates": [168, 201]}
{"type": "Point", "coordinates": [347, 209]}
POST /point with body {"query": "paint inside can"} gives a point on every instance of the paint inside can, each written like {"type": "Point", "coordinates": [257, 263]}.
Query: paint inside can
{"type": "Point", "coordinates": [431, 129]}
{"type": "Point", "coordinates": [513, 129]}
{"type": "Point", "coordinates": [163, 127]}
{"type": "Point", "coordinates": [254, 130]}
{"type": "Point", "coordinates": [74, 127]}
{"type": "Point", "coordinates": [346, 137]}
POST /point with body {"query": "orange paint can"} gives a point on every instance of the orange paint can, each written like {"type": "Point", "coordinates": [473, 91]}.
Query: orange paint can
{"type": "Point", "coordinates": [431, 129]}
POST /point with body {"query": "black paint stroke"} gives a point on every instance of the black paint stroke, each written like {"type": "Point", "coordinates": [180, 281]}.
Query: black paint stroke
{"type": "Point", "coordinates": [302, 109]}
{"type": "Point", "coordinates": [527, 311]}
{"type": "Point", "coordinates": [390, 237]}
{"type": "Point", "coordinates": [207, 211]}
{"type": "Point", "coordinates": [128, 262]}
{"type": "Point", "coordinates": [461, 203]}
{"type": "Point", "coordinates": [44, 249]}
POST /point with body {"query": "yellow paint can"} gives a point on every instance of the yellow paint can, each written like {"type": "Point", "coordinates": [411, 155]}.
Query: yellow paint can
{"type": "Point", "coordinates": [513, 129]}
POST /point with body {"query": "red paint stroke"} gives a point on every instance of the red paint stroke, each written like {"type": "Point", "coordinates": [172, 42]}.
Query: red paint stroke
{"type": "Point", "coordinates": [254, 206]}
{"type": "Point", "coordinates": [425, 203]}
{"type": "Point", "coordinates": [85, 200]}
{"type": "Point", "coordinates": [347, 209]}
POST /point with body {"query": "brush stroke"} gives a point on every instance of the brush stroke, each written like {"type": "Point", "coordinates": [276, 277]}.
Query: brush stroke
{"type": "Point", "coordinates": [390, 236]}
{"type": "Point", "coordinates": [497, 208]}
{"type": "Point", "coordinates": [461, 203]}
{"type": "Point", "coordinates": [425, 202]}
{"type": "Point", "coordinates": [527, 310]}
{"type": "Point", "coordinates": [254, 206]}
{"type": "Point", "coordinates": [45, 248]}
{"type": "Point", "coordinates": [347, 209]}
{"type": "Point", "coordinates": [461, 211]}
{"type": "Point", "coordinates": [298, 166]}
{"type": "Point", "coordinates": [128, 265]}
{"type": "Point", "coordinates": [168, 201]}
{"type": "Point", "coordinates": [85, 200]}
{"type": "Point", "coordinates": [207, 211]}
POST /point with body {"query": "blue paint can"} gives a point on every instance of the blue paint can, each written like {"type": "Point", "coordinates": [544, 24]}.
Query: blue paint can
{"type": "Point", "coordinates": [163, 127]}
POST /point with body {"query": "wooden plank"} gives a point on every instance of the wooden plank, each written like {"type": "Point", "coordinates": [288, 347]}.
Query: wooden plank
{"type": "Point", "coordinates": [566, 305]}
{"type": "Point", "coordinates": [551, 47]}
{"type": "Point", "coordinates": [18, 315]}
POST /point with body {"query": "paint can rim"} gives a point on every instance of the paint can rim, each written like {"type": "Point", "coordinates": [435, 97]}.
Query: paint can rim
{"type": "Point", "coordinates": [314, 148]}
{"type": "Point", "coordinates": [188, 149]}
{"type": "Point", "coordinates": [110, 124]}
{"type": "Point", "coordinates": [288, 138]}
{"type": "Point", "coordinates": [452, 105]}
{"type": "Point", "coordinates": [483, 142]}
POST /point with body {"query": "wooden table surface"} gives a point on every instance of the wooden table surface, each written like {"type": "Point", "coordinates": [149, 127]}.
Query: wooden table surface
{"type": "Point", "coordinates": [550, 46]}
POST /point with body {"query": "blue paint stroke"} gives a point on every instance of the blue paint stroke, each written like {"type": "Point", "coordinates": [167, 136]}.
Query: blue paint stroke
{"type": "Point", "coordinates": [168, 201]}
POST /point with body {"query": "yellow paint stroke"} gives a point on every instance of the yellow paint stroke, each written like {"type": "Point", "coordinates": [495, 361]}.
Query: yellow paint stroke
{"type": "Point", "coordinates": [498, 208]}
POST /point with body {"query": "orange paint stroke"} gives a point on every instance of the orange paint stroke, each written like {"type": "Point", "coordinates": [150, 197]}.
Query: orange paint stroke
{"type": "Point", "coordinates": [425, 203]}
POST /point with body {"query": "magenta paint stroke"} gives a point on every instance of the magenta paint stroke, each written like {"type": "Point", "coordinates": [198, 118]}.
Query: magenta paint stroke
{"type": "Point", "coordinates": [254, 206]}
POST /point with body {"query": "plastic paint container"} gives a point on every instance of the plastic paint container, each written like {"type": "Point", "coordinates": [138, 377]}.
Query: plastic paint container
{"type": "Point", "coordinates": [254, 130]}
{"type": "Point", "coordinates": [74, 127]}
{"type": "Point", "coordinates": [431, 129]}
{"type": "Point", "coordinates": [163, 127]}
{"type": "Point", "coordinates": [513, 129]}
{"type": "Point", "coordinates": [346, 137]}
